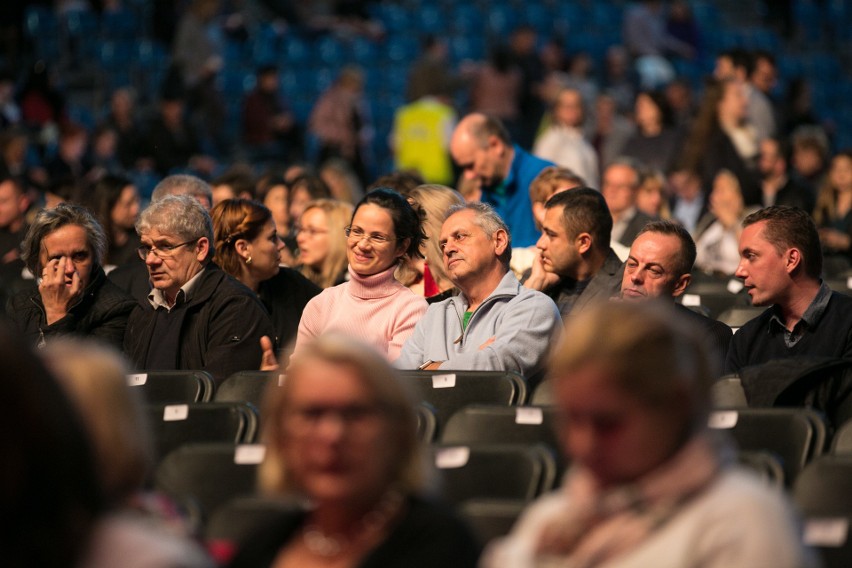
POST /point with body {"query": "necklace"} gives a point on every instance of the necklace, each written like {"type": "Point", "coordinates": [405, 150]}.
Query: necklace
{"type": "Point", "coordinates": [372, 523]}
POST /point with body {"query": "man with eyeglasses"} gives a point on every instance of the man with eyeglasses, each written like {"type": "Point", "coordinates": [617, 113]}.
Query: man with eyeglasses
{"type": "Point", "coordinates": [495, 323]}
{"type": "Point", "coordinates": [64, 248]}
{"type": "Point", "coordinates": [196, 316]}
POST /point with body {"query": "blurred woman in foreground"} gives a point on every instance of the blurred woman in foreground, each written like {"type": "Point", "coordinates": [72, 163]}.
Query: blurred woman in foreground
{"type": "Point", "coordinates": [650, 484]}
{"type": "Point", "coordinates": [341, 433]}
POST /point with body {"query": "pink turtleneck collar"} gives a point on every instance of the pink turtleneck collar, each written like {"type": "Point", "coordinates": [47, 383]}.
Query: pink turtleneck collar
{"type": "Point", "coordinates": [379, 285]}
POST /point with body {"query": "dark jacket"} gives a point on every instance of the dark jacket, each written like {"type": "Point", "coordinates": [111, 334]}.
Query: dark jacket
{"type": "Point", "coordinates": [428, 535]}
{"type": "Point", "coordinates": [285, 296]}
{"type": "Point", "coordinates": [221, 331]}
{"type": "Point", "coordinates": [102, 313]}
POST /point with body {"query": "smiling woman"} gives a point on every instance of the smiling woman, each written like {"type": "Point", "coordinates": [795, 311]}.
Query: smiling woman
{"type": "Point", "coordinates": [373, 305]}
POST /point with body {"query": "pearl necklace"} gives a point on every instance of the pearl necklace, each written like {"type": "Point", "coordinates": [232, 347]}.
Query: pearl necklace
{"type": "Point", "coordinates": [373, 522]}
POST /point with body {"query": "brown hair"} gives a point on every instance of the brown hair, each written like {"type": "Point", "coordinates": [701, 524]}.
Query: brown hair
{"type": "Point", "coordinates": [235, 219]}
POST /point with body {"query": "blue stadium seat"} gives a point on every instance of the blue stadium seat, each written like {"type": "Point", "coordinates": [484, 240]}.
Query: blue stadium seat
{"type": "Point", "coordinates": [119, 24]}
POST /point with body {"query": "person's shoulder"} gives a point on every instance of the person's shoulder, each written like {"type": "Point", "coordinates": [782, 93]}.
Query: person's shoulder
{"type": "Point", "coordinates": [289, 280]}
{"type": "Point", "coordinates": [756, 323]}
{"type": "Point", "coordinates": [838, 300]}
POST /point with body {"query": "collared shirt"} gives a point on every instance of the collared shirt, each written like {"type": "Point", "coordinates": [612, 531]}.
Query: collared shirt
{"type": "Point", "coordinates": [158, 300]}
{"type": "Point", "coordinates": [809, 319]}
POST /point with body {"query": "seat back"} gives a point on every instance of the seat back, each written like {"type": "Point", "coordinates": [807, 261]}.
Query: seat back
{"type": "Point", "coordinates": [739, 316]}
{"type": "Point", "coordinates": [794, 435]}
{"type": "Point", "coordinates": [209, 474]}
{"type": "Point", "coordinates": [449, 391]}
{"type": "Point", "coordinates": [174, 425]}
{"type": "Point", "coordinates": [763, 464]}
{"type": "Point", "coordinates": [543, 395]}
{"type": "Point", "coordinates": [427, 422]}
{"type": "Point", "coordinates": [728, 392]}
{"type": "Point", "coordinates": [823, 495]}
{"type": "Point", "coordinates": [490, 424]}
{"type": "Point", "coordinates": [494, 471]}
{"type": "Point", "coordinates": [161, 387]}
{"type": "Point", "coordinates": [841, 444]}
{"type": "Point", "coordinates": [247, 386]}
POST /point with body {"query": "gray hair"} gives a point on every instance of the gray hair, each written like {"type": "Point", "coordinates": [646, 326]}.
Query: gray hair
{"type": "Point", "coordinates": [180, 215]}
{"type": "Point", "coordinates": [49, 220]}
{"type": "Point", "coordinates": [181, 184]}
{"type": "Point", "coordinates": [487, 219]}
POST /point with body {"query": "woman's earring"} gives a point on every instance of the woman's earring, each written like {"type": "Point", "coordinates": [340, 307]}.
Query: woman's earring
{"type": "Point", "coordinates": [248, 260]}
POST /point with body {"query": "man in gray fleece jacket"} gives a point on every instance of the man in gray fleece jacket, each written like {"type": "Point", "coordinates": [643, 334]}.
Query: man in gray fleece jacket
{"type": "Point", "coordinates": [494, 324]}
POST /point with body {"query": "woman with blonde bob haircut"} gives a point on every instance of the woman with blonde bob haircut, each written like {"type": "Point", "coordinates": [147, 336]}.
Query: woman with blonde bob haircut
{"type": "Point", "coordinates": [650, 484]}
{"type": "Point", "coordinates": [341, 433]}
{"type": "Point", "coordinates": [322, 241]}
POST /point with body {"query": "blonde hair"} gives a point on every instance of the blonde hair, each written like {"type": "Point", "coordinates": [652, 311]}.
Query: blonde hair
{"type": "Point", "coordinates": [825, 211]}
{"type": "Point", "coordinates": [432, 202]}
{"type": "Point", "coordinates": [94, 377]}
{"type": "Point", "coordinates": [648, 352]}
{"type": "Point", "coordinates": [411, 474]}
{"type": "Point", "coordinates": [337, 215]}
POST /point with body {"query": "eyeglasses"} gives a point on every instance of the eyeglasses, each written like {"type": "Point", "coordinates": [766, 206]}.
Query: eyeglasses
{"type": "Point", "coordinates": [357, 234]}
{"type": "Point", "coordinates": [310, 231]}
{"type": "Point", "coordinates": [165, 251]}
{"type": "Point", "coordinates": [306, 420]}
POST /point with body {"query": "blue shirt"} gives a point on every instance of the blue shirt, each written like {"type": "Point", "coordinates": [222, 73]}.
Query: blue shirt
{"type": "Point", "coordinates": [511, 199]}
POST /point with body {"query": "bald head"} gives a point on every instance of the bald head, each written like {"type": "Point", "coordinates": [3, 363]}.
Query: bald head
{"type": "Point", "coordinates": [482, 149]}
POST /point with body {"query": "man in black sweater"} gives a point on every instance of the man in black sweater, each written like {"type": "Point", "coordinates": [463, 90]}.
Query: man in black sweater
{"type": "Point", "coordinates": [659, 266]}
{"type": "Point", "coordinates": [781, 264]}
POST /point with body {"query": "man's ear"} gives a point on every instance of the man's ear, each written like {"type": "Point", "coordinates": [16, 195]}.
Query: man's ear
{"type": "Point", "coordinates": [202, 249]}
{"type": "Point", "coordinates": [501, 241]}
{"type": "Point", "coordinates": [583, 241]}
{"type": "Point", "coordinates": [681, 284]}
{"type": "Point", "coordinates": [792, 259]}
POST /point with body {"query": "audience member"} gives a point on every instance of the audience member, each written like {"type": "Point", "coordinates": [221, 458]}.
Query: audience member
{"type": "Point", "coordinates": [621, 182]}
{"type": "Point", "coordinates": [421, 137]}
{"type": "Point", "coordinates": [563, 142]}
{"type": "Point", "coordinates": [496, 89]}
{"type": "Point", "coordinates": [649, 484]}
{"type": "Point", "coordinates": [52, 495]}
{"type": "Point", "coordinates": [431, 73]}
{"type": "Point", "coordinates": [65, 248]}
{"type": "Point", "coordinates": [833, 213]}
{"type": "Point", "coordinates": [269, 129]}
{"type": "Point", "coordinates": [688, 200]}
{"type": "Point", "coordinates": [762, 77]}
{"type": "Point", "coordinates": [610, 130]}
{"type": "Point", "coordinates": [778, 188]}
{"type": "Point", "coordinates": [781, 267]}
{"type": "Point", "coordinates": [810, 156]}
{"type": "Point", "coordinates": [246, 242]}
{"type": "Point", "coordinates": [340, 121]}
{"type": "Point", "coordinates": [495, 323]}
{"type": "Point", "coordinates": [427, 276]}
{"type": "Point", "coordinates": [719, 231]}
{"type": "Point", "coordinates": [196, 316]}
{"type": "Point", "coordinates": [171, 142]}
{"type": "Point", "coordinates": [237, 182]}
{"type": "Point", "coordinates": [659, 266]}
{"type": "Point", "coordinates": [273, 191]}
{"type": "Point", "coordinates": [577, 266]}
{"type": "Point", "coordinates": [364, 476]}
{"type": "Point", "coordinates": [341, 180]}
{"type": "Point", "coordinates": [70, 158]}
{"type": "Point", "coordinates": [656, 142]}
{"type": "Point", "coordinates": [321, 237]}
{"type": "Point", "coordinates": [523, 51]}
{"type": "Point", "coordinates": [123, 119]}
{"type": "Point", "coordinates": [372, 305]}
{"type": "Point", "coordinates": [721, 138]}
{"type": "Point", "coordinates": [550, 181]}
{"type": "Point", "coordinates": [482, 149]}
{"type": "Point", "coordinates": [14, 204]}
{"type": "Point", "coordinates": [138, 528]}
{"type": "Point", "coordinates": [115, 202]}
{"type": "Point", "coordinates": [304, 188]}
{"type": "Point", "coordinates": [652, 196]}
{"type": "Point", "coordinates": [401, 181]}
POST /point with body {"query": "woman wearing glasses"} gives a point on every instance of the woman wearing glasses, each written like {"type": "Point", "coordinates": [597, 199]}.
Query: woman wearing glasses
{"type": "Point", "coordinates": [322, 241]}
{"type": "Point", "coordinates": [372, 305]}
{"type": "Point", "coordinates": [247, 247]}
{"type": "Point", "coordinates": [342, 437]}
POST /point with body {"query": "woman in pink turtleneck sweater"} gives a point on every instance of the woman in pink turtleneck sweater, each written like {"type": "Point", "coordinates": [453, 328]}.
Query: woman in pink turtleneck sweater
{"type": "Point", "coordinates": [372, 305]}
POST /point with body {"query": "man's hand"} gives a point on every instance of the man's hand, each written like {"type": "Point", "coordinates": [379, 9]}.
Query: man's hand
{"type": "Point", "coordinates": [269, 362]}
{"type": "Point", "coordinates": [539, 278]}
{"type": "Point", "coordinates": [56, 295]}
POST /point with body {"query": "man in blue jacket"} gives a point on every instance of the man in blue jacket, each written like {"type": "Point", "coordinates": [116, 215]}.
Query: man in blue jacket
{"type": "Point", "coordinates": [494, 324]}
{"type": "Point", "coordinates": [482, 149]}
